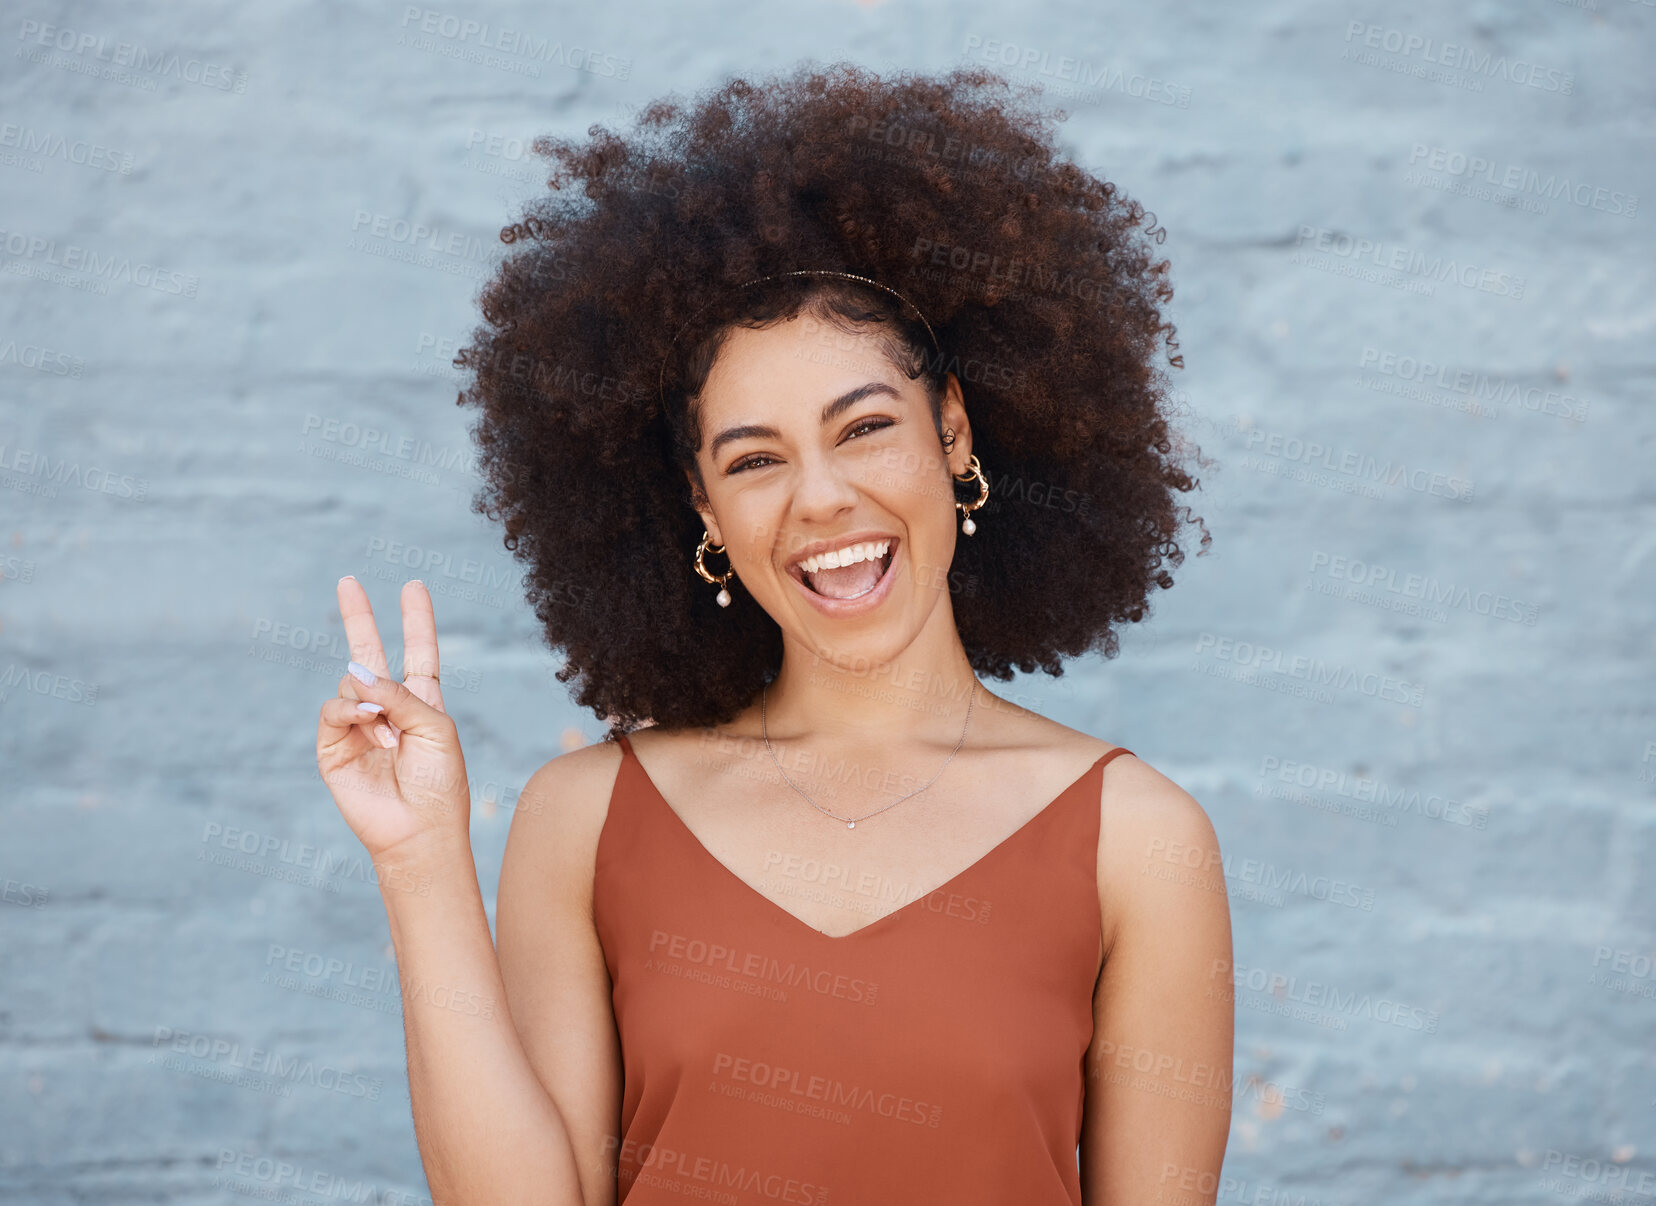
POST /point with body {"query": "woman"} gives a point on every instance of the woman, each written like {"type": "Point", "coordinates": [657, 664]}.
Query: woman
{"type": "Point", "coordinates": [811, 403]}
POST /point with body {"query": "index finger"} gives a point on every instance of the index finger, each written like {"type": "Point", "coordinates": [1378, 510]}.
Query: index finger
{"type": "Point", "coordinates": [361, 634]}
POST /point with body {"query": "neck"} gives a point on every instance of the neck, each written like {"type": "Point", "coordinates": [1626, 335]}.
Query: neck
{"type": "Point", "coordinates": [916, 697]}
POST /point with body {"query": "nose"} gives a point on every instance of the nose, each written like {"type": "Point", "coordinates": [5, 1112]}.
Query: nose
{"type": "Point", "coordinates": [823, 489]}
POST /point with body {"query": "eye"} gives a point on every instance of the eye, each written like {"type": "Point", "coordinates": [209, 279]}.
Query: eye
{"type": "Point", "coordinates": [759, 459]}
{"type": "Point", "coordinates": [749, 462]}
{"type": "Point", "coordinates": [868, 425]}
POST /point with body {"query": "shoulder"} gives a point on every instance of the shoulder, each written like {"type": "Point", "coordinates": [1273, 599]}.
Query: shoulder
{"type": "Point", "coordinates": [573, 776]}
{"type": "Point", "coordinates": [559, 816]}
{"type": "Point", "coordinates": [1158, 852]}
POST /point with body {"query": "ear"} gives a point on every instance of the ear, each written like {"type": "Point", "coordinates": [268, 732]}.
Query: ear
{"type": "Point", "coordinates": [705, 510]}
{"type": "Point", "coordinates": [952, 414]}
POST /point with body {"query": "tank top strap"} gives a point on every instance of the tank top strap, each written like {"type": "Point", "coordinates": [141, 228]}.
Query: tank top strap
{"type": "Point", "coordinates": [626, 824]}
{"type": "Point", "coordinates": [1071, 823]}
{"type": "Point", "coordinates": [1080, 818]}
{"type": "Point", "coordinates": [1113, 754]}
{"type": "Point", "coordinates": [1095, 820]}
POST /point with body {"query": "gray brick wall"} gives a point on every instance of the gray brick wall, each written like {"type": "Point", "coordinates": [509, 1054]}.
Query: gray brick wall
{"type": "Point", "coordinates": [1413, 252]}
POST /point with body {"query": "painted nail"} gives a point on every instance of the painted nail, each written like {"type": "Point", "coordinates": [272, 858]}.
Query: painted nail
{"type": "Point", "coordinates": [387, 738]}
{"type": "Point", "coordinates": [365, 706]}
{"type": "Point", "coordinates": [346, 578]}
{"type": "Point", "coordinates": [363, 675]}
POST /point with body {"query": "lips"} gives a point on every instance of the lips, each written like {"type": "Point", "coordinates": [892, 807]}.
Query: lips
{"type": "Point", "coordinates": [883, 562]}
{"type": "Point", "coordinates": [867, 603]}
{"type": "Point", "coordinates": [818, 552]}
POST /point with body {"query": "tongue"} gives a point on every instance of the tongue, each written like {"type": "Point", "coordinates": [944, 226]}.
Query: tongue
{"type": "Point", "coordinates": [846, 582]}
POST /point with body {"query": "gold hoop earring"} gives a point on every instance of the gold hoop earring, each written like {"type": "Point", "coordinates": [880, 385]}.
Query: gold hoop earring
{"type": "Point", "coordinates": [974, 473]}
{"type": "Point", "coordinates": [723, 598]}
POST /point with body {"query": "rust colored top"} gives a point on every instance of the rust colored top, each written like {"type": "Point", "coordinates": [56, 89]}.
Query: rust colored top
{"type": "Point", "coordinates": [934, 1055]}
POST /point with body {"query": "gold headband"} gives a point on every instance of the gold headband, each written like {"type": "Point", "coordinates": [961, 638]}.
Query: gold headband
{"type": "Point", "coordinates": [661, 382]}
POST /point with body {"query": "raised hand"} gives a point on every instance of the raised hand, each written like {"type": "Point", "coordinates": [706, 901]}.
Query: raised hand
{"type": "Point", "coordinates": [395, 767]}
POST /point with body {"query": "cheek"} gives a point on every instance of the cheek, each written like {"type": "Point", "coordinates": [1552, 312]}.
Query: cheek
{"type": "Point", "coordinates": [906, 478]}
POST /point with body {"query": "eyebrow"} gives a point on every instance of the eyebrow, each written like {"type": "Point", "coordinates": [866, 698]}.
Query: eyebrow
{"type": "Point", "coordinates": [753, 431]}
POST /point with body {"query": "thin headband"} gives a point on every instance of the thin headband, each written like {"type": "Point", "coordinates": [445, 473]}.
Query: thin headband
{"type": "Point", "coordinates": [661, 383]}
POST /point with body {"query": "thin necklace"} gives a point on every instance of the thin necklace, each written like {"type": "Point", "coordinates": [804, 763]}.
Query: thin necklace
{"type": "Point", "coordinates": [764, 730]}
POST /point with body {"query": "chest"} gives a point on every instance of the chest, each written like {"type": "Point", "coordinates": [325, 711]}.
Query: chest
{"type": "Point", "coordinates": [841, 844]}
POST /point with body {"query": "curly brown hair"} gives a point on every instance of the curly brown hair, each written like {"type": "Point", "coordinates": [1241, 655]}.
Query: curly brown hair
{"type": "Point", "coordinates": [1038, 278]}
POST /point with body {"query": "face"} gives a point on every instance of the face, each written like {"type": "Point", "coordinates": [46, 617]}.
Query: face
{"type": "Point", "coordinates": [812, 440]}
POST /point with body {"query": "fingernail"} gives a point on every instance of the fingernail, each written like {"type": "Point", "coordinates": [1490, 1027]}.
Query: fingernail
{"type": "Point", "coordinates": [347, 578]}
{"type": "Point", "coordinates": [387, 738]}
{"type": "Point", "coordinates": [363, 675]}
{"type": "Point", "coordinates": [369, 707]}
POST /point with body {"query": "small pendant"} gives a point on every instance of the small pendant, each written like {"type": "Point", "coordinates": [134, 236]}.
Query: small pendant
{"type": "Point", "coordinates": [723, 598]}
{"type": "Point", "coordinates": [968, 527]}
{"type": "Point", "coordinates": [850, 824]}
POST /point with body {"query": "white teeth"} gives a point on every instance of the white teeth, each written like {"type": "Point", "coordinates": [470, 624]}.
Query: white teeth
{"type": "Point", "coordinates": [868, 550]}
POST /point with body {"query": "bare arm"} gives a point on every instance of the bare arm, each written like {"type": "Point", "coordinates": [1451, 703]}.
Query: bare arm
{"type": "Point", "coordinates": [557, 983]}
{"type": "Point", "coordinates": [1158, 1096]}
{"type": "Point", "coordinates": [500, 1115]}
{"type": "Point", "coordinates": [488, 1130]}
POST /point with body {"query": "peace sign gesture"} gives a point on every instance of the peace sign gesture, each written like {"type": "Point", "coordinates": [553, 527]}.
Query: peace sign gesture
{"type": "Point", "coordinates": [387, 751]}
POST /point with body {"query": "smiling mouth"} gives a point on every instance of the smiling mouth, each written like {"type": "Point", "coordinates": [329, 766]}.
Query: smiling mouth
{"type": "Point", "coordinates": [844, 583]}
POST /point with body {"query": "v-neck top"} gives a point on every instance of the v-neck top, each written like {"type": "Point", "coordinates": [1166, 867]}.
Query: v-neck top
{"type": "Point", "coordinates": [933, 1055]}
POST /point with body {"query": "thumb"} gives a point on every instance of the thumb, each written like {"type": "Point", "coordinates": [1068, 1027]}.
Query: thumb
{"type": "Point", "coordinates": [407, 712]}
